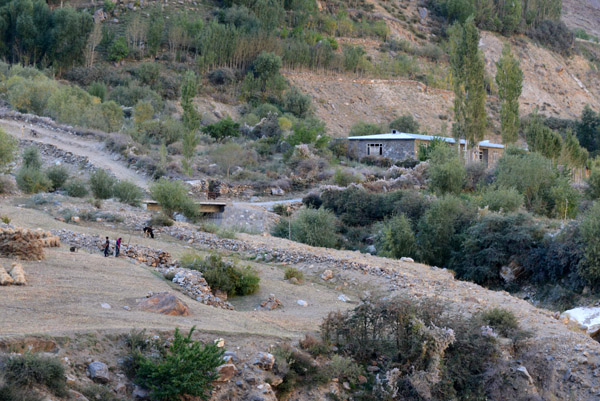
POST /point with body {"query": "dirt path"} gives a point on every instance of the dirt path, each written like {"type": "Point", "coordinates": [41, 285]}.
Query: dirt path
{"type": "Point", "coordinates": [93, 150]}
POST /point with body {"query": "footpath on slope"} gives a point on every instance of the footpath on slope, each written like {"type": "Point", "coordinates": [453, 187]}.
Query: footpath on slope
{"type": "Point", "coordinates": [59, 136]}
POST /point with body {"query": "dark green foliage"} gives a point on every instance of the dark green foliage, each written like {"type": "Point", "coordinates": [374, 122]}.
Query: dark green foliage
{"type": "Point", "coordinates": [588, 130]}
{"type": "Point", "coordinates": [396, 238]}
{"type": "Point", "coordinates": [316, 227]}
{"type": "Point", "coordinates": [312, 200]}
{"type": "Point", "coordinates": [589, 268]}
{"type": "Point", "coordinates": [31, 158]}
{"type": "Point", "coordinates": [76, 188]}
{"type": "Point", "coordinates": [266, 66]}
{"type": "Point", "coordinates": [555, 35]}
{"type": "Point", "coordinates": [442, 229]}
{"type": "Point", "coordinates": [405, 123]}
{"type": "Point", "coordinates": [502, 200]}
{"type": "Point", "coordinates": [447, 172]}
{"type": "Point", "coordinates": [32, 181]}
{"type": "Point", "coordinates": [32, 369]}
{"type": "Point", "coordinates": [501, 320]}
{"type": "Point", "coordinates": [128, 192]}
{"type": "Point", "coordinates": [542, 139]}
{"type": "Point", "coordinates": [155, 30]}
{"type": "Point", "coordinates": [362, 128]}
{"type": "Point", "coordinates": [225, 128]}
{"type": "Point", "coordinates": [186, 368]}
{"type": "Point", "coordinates": [15, 393]}
{"type": "Point", "coordinates": [98, 89]}
{"type": "Point", "coordinates": [495, 241]}
{"type": "Point", "coordinates": [148, 73]}
{"type": "Point", "coordinates": [118, 50]}
{"type": "Point", "coordinates": [101, 184]}
{"type": "Point", "coordinates": [424, 152]}
{"type": "Point", "coordinates": [58, 175]}
{"type": "Point", "coordinates": [172, 197]}
{"type": "Point", "coordinates": [297, 103]}
{"type": "Point", "coordinates": [222, 275]}
{"type": "Point", "coordinates": [509, 79]}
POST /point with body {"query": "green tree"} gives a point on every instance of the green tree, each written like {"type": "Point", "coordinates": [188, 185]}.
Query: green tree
{"type": "Point", "coordinates": [266, 66]}
{"type": "Point", "coordinates": [447, 172]}
{"type": "Point", "coordinates": [362, 128]}
{"type": "Point", "coordinates": [468, 74]}
{"type": "Point", "coordinates": [128, 192]}
{"type": "Point", "coordinates": [405, 123]}
{"type": "Point", "coordinates": [442, 227]}
{"type": "Point", "coordinates": [101, 184]}
{"type": "Point", "coordinates": [315, 227]}
{"type": "Point", "coordinates": [223, 129]}
{"type": "Point", "coordinates": [396, 238]}
{"type": "Point", "coordinates": [58, 175]}
{"type": "Point", "coordinates": [187, 368]}
{"type": "Point", "coordinates": [31, 158]}
{"type": "Point", "coordinates": [590, 235]}
{"type": "Point", "coordinates": [188, 90]}
{"type": "Point", "coordinates": [69, 36]}
{"type": "Point", "coordinates": [118, 50]}
{"type": "Point", "coordinates": [543, 140]}
{"type": "Point", "coordinates": [588, 130]}
{"type": "Point", "coordinates": [156, 28]}
{"type": "Point", "coordinates": [511, 14]}
{"type": "Point", "coordinates": [172, 196]}
{"type": "Point", "coordinates": [509, 79]}
{"type": "Point", "coordinates": [8, 147]}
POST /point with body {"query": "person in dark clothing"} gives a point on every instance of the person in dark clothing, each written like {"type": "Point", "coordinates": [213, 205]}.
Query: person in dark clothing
{"type": "Point", "coordinates": [106, 247]}
{"type": "Point", "coordinates": [118, 248]}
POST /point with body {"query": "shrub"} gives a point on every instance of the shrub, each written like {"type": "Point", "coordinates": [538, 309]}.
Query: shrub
{"type": "Point", "coordinates": [222, 76]}
{"type": "Point", "coordinates": [396, 238]}
{"type": "Point", "coordinates": [98, 89]}
{"type": "Point", "coordinates": [98, 392]}
{"type": "Point", "coordinates": [58, 175]}
{"type": "Point", "coordinates": [405, 123]}
{"type": "Point", "coordinates": [505, 200]}
{"type": "Point", "coordinates": [31, 369]}
{"type": "Point", "coordinates": [31, 158]}
{"type": "Point", "coordinates": [6, 184]}
{"type": "Point", "coordinates": [501, 320]}
{"type": "Point", "coordinates": [5, 219]}
{"type": "Point", "coordinates": [590, 237]}
{"type": "Point", "coordinates": [297, 103]}
{"type": "Point", "coordinates": [447, 173]}
{"type": "Point", "coordinates": [555, 35]}
{"type": "Point", "coordinates": [8, 147]}
{"type": "Point", "coordinates": [225, 128]}
{"type": "Point", "coordinates": [282, 209]}
{"type": "Point", "coordinates": [496, 241]}
{"type": "Point", "coordinates": [118, 50]}
{"type": "Point", "coordinates": [186, 368]}
{"type": "Point", "coordinates": [475, 174]}
{"type": "Point", "coordinates": [101, 184]}
{"type": "Point", "coordinates": [293, 272]}
{"type": "Point", "coordinates": [343, 178]}
{"type": "Point", "coordinates": [76, 188]}
{"type": "Point", "coordinates": [315, 227]}
{"type": "Point", "coordinates": [362, 128]}
{"type": "Point", "coordinates": [312, 201]}
{"type": "Point", "coordinates": [160, 220]}
{"type": "Point", "coordinates": [32, 181]}
{"type": "Point", "coordinates": [222, 275]}
{"type": "Point", "coordinates": [172, 197]}
{"type": "Point", "coordinates": [148, 73]}
{"type": "Point", "coordinates": [128, 192]}
{"type": "Point", "coordinates": [442, 227]}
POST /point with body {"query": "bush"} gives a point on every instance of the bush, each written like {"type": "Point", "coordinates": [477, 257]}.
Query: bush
{"type": "Point", "coordinates": [293, 272]}
{"type": "Point", "coordinates": [315, 227]}
{"type": "Point", "coordinates": [32, 370]}
{"type": "Point", "coordinates": [497, 241]}
{"type": "Point", "coordinates": [405, 123]}
{"type": "Point", "coordinates": [396, 238]}
{"type": "Point", "coordinates": [442, 227]}
{"type": "Point", "coordinates": [589, 268]}
{"type": "Point", "coordinates": [501, 320]}
{"type": "Point", "coordinates": [312, 201]}
{"type": "Point", "coordinates": [172, 197]}
{"type": "Point", "coordinates": [343, 178]}
{"type": "Point", "coordinates": [118, 50]}
{"type": "Point", "coordinates": [101, 184]}
{"type": "Point", "coordinates": [447, 172]}
{"type": "Point", "coordinates": [160, 220]}
{"type": "Point", "coordinates": [6, 185]}
{"type": "Point", "coordinates": [362, 128]}
{"type": "Point", "coordinates": [58, 175]}
{"type": "Point", "coordinates": [31, 158]}
{"type": "Point", "coordinates": [222, 275]}
{"type": "Point", "coordinates": [32, 181]}
{"type": "Point", "coordinates": [128, 192]}
{"type": "Point", "coordinates": [225, 128]}
{"type": "Point", "coordinates": [8, 147]}
{"type": "Point", "coordinates": [297, 103]}
{"type": "Point", "coordinates": [502, 200]}
{"type": "Point", "coordinates": [186, 368]}
{"type": "Point", "coordinates": [98, 89]}
{"type": "Point", "coordinates": [555, 35]}
{"type": "Point", "coordinates": [475, 175]}
{"type": "Point", "coordinates": [76, 188]}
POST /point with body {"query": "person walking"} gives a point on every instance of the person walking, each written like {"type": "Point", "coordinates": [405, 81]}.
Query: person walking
{"type": "Point", "coordinates": [118, 247]}
{"type": "Point", "coordinates": [106, 247]}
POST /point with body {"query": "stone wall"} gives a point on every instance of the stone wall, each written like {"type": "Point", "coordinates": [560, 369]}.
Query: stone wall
{"type": "Point", "coordinates": [392, 148]}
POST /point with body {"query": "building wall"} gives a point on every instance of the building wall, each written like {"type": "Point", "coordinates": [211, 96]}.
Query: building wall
{"type": "Point", "coordinates": [392, 148]}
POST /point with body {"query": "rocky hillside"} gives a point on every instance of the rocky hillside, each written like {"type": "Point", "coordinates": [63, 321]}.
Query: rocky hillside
{"type": "Point", "coordinates": [583, 14]}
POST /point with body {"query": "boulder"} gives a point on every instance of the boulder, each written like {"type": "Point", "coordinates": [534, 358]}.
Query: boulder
{"type": "Point", "coordinates": [407, 260]}
{"type": "Point", "coordinates": [165, 304]}
{"type": "Point", "coordinates": [302, 302]}
{"type": "Point", "coordinates": [226, 372]}
{"type": "Point", "coordinates": [587, 318]}
{"type": "Point", "coordinates": [264, 360]}
{"type": "Point", "coordinates": [277, 191]}
{"type": "Point", "coordinates": [327, 275]}
{"type": "Point", "coordinates": [98, 372]}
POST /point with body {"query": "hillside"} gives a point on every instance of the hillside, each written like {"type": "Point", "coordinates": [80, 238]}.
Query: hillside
{"type": "Point", "coordinates": [583, 14]}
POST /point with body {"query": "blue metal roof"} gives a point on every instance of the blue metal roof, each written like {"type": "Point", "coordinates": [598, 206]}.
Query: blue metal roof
{"type": "Point", "coordinates": [404, 136]}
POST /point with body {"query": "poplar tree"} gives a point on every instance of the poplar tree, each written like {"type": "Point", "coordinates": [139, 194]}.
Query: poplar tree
{"type": "Point", "coordinates": [191, 119]}
{"type": "Point", "coordinates": [469, 82]}
{"type": "Point", "coordinates": [509, 78]}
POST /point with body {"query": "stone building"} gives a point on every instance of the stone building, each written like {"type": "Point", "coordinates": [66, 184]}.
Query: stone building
{"type": "Point", "coordinates": [402, 146]}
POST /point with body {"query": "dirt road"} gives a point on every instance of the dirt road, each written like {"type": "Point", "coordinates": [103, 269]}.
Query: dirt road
{"type": "Point", "coordinates": [93, 150]}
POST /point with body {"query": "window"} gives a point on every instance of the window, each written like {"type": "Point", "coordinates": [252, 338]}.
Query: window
{"type": "Point", "coordinates": [480, 155]}
{"type": "Point", "coordinates": [494, 156]}
{"type": "Point", "coordinates": [374, 149]}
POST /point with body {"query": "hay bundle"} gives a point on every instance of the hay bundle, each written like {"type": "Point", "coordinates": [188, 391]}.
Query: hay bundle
{"type": "Point", "coordinates": [18, 274]}
{"type": "Point", "coordinates": [5, 279]}
{"type": "Point", "coordinates": [51, 242]}
{"type": "Point", "coordinates": [21, 243]}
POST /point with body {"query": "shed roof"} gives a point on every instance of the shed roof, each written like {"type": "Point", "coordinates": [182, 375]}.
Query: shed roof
{"type": "Point", "coordinates": [404, 136]}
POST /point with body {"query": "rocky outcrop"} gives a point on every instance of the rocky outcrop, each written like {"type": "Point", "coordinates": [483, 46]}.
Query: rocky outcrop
{"type": "Point", "coordinates": [165, 304]}
{"type": "Point", "coordinates": [98, 372]}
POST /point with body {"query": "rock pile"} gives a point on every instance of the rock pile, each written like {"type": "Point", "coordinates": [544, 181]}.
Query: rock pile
{"type": "Point", "coordinates": [25, 244]}
{"type": "Point", "coordinates": [271, 303]}
{"type": "Point", "coordinates": [148, 256]}
{"type": "Point", "coordinates": [194, 285]}
{"type": "Point", "coordinates": [54, 153]}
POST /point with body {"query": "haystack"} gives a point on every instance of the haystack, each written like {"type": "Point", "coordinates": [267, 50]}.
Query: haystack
{"type": "Point", "coordinates": [18, 274]}
{"type": "Point", "coordinates": [5, 279]}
